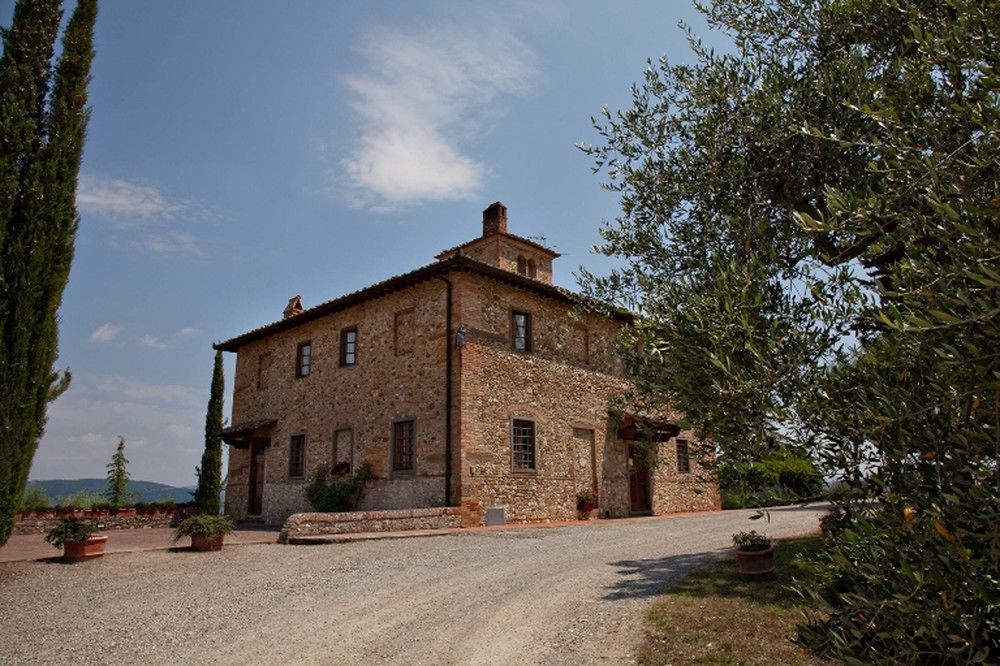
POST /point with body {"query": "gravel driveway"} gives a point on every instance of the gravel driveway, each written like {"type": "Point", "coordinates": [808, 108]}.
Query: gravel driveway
{"type": "Point", "coordinates": [564, 595]}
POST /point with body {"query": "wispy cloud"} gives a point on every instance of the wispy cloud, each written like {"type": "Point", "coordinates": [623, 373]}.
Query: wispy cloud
{"type": "Point", "coordinates": [128, 388]}
{"type": "Point", "coordinates": [171, 243]}
{"type": "Point", "coordinates": [105, 333]}
{"type": "Point", "coordinates": [159, 421]}
{"type": "Point", "coordinates": [152, 341]}
{"type": "Point", "coordinates": [420, 97]}
{"type": "Point", "coordinates": [188, 331]}
{"type": "Point", "coordinates": [90, 439]}
{"type": "Point", "coordinates": [141, 216]}
{"type": "Point", "coordinates": [127, 204]}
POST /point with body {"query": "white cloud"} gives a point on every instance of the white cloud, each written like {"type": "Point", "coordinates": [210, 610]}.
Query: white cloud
{"type": "Point", "coordinates": [188, 331]}
{"type": "Point", "coordinates": [180, 431]}
{"type": "Point", "coordinates": [160, 423]}
{"type": "Point", "coordinates": [171, 243]}
{"type": "Point", "coordinates": [152, 341]}
{"type": "Point", "coordinates": [420, 97]}
{"type": "Point", "coordinates": [141, 216]}
{"type": "Point", "coordinates": [124, 202]}
{"type": "Point", "coordinates": [90, 438]}
{"type": "Point", "coordinates": [105, 333]}
{"type": "Point", "coordinates": [134, 389]}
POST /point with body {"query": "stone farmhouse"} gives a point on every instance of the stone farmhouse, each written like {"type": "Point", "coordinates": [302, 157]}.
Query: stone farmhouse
{"type": "Point", "coordinates": [470, 382]}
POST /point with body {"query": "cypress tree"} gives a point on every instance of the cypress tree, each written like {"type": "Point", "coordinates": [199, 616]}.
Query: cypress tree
{"type": "Point", "coordinates": [43, 119]}
{"type": "Point", "coordinates": [210, 470]}
{"type": "Point", "coordinates": [117, 492]}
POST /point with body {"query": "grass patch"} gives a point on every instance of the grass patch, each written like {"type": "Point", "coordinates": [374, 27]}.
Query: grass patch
{"type": "Point", "coordinates": [716, 617]}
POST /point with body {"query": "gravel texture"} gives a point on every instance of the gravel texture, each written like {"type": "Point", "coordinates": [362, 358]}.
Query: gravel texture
{"type": "Point", "coordinates": [564, 595]}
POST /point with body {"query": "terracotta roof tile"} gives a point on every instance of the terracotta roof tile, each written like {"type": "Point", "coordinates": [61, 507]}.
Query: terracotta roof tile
{"type": "Point", "coordinates": [398, 282]}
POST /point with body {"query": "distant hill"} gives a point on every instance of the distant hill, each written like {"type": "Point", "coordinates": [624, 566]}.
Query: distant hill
{"type": "Point", "coordinates": [145, 491]}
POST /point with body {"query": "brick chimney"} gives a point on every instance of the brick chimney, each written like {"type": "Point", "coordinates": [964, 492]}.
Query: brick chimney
{"type": "Point", "coordinates": [294, 307]}
{"type": "Point", "coordinates": [495, 219]}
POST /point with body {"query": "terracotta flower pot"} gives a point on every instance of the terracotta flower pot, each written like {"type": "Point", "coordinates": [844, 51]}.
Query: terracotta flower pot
{"type": "Point", "coordinates": [77, 551]}
{"type": "Point", "coordinates": [756, 563]}
{"type": "Point", "coordinates": [203, 542]}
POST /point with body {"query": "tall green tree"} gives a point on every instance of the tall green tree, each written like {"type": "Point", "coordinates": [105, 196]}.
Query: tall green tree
{"type": "Point", "coordinates": [43, 119]}
{"type": "Point", "coordinates": [118, 476]}
{"type": "Point", "coordinates": [210, 470]}
{"type": "Point", "coordinates": [810, 230]}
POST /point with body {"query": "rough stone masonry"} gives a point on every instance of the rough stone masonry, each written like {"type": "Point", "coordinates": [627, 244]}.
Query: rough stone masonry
{"type": "Point", "coordinates": [470, 382]}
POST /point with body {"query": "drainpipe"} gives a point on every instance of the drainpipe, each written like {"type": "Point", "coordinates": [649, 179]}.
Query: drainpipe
{"type": "Point", "coordinates": [447, 397]}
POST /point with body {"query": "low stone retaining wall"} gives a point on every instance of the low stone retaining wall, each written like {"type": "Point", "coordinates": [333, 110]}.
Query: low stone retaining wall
{"type": "Point", "coordinates": [105, 519]}
{"type": "Point", "coordinates": [301, 525]}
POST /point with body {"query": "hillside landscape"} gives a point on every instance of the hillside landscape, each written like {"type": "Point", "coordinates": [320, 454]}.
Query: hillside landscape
{"type": "Point", "coordinates": [139, 491]}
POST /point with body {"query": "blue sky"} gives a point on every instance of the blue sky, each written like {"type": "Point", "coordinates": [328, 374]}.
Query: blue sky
{"type": "Point", "coordinates": [243, 152]}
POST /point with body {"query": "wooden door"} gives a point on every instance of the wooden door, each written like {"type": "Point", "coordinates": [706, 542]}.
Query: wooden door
{"type": "Point", "coordinates": [256, 501]}
{"type": "Point", "coordinates": [638, 480]}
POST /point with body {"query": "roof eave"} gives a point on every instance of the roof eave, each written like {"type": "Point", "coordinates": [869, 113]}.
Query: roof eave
{"type": "Point", "coordinates": [430, 271]}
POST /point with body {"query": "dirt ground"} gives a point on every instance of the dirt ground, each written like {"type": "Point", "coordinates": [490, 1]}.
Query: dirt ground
{"type": "Point", "coordinates": [566, 595]}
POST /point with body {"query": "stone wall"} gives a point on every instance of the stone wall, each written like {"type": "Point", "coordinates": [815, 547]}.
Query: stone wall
{"type": "Point", "coordinates": [127, 519]}
{"type": "Point", "coordinates": [399, 374]}
{"type": "Point", "coordinates": [502, 251]}
{"type": "Point", "coordinates": [563, 386]}
{"type": "Point", "coordinates": [697, 490]}
{"type": "Point", "coordinates": [301, 525]}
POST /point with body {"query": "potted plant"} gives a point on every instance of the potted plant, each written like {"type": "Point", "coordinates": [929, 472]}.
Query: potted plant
{"type": "Point", "coordinates": [206, 532]}
{"type": "Point", "coordinates": [77, 539]}
{"type": "Point", "coordinates": [586, 504]}
{"type": "Point", "coordinates": [754, 554]}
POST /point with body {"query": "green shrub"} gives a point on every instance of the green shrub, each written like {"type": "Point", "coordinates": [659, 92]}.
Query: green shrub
{"type": "Point", "coordinates": [204, 524]}
{"type": "Point", "coordinates": [751, 541]}
{"type": "Point", "coordinates": [586, 500]}
{"type": "Point", "coordinates": [70, 529]}
{"type": "Point", "coordinates": [781, 476]}
{"type": "Point", "coordinates": [34, 499]}
{"type": "Point", "coordinates": [84, 500]}
{"type": "Point", "coordinates": [340, 493]}
{"type": "Point", "coordinates": [930, 588]}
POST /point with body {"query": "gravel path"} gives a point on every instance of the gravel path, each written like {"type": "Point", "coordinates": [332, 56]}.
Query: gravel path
{"type": "Point", "coordinates": [565, 595]}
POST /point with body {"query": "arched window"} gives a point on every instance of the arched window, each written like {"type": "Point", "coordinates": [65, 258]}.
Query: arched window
{"type": "Point", "coordinates": [522, 265]}
{"type": "Point", "coordinates": [531, 268]}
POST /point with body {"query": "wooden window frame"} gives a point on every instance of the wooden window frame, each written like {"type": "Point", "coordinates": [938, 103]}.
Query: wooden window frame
{"type": "Point", "coordinates": [344, 362]}
{"type": "Point", "coordinates": [303, 369]}
{"type": "Point", "coordinates": [527, 331]}
{"type": "Point", "coordinates": [299, 460]}
{"type": "Point", "coordinates": [515, 423]}
{"type": "Point", "coordinates": [394, 456]}
{"type": "Point", "coordinates": [679, 446]}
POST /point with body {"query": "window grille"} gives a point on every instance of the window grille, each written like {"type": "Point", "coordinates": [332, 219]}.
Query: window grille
{"type": "Point", "coordinates": [523, 444]}
{"type": "Point", "coordinates": [683, 460]}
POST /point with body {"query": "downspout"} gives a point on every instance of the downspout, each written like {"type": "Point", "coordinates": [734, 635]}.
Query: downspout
{"type": "Point", "coordinates": [447, 397]}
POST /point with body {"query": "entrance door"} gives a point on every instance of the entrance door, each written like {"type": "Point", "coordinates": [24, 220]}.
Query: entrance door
{"type": "Point", "coordinates": [256, 501]}
{"type": "Point", "coordinates": [638, 481]}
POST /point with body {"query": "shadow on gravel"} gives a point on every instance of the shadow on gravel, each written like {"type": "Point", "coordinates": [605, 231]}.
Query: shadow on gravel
{"type": "Point", "coordinates": [647, 578]}
{"type": "Point", "coordinates": [55, 559]}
